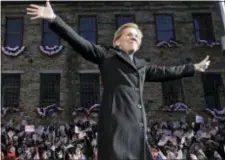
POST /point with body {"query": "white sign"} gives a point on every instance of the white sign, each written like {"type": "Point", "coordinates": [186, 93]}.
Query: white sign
{"type": "Point", "coordinates": [199, 119]}
{"type": "Point", "coordinates": [29, 128]}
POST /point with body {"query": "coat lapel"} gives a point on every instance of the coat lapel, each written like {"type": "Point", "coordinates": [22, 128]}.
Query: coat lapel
{"type": "Point", "coordinates": [126, 58]}
{"type": "Point", "coordinates": [139, 63]}
{"type": "Point", "coordinates": [136, 64]}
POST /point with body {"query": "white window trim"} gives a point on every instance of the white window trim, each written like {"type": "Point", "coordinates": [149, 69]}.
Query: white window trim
{"type": "Point", "coordinates": [13, 71]}
{"type": "Point", "coordinates": [89, 71]}
{"type": "Point", "coordinates": [51, 71]}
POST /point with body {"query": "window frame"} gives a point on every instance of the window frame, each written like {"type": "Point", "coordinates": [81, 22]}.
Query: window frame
{"type": "Point", "coordinates": [173, 25]}
{"type": "Point", "coordinates": [51, 32]}
{"type": "Point", "coordinates": [206, 28]}
{"type": "Point", "coordinates": [97, 91]}
{"type": "Point", "coordinates": [18, 87]}
{"type": "Point", "coordinates": [42, 98]}
{"type": "Point", "coordinates": [6, 31]}
{"type": "Point", "coordinates": [96, 26]}
{"type": "Point", "coordinates": [166, 92]}
{"type": "Point", "coordinates": [216, 95]}
{"type": "Point", "coordinates": [124, 15]}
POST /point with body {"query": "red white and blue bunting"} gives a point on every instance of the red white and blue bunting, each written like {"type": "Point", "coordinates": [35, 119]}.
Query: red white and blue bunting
{"type": "Point", "coordinates": [217, 114]}
{"type": "Point", "coordinates": [179, 106]}
{"type": "Point", "coordinates": [200, 43]}
{"type": "Point", "coordinates": [50, 110]}
{"type": "Point", "coordinates": [168, 44]}
{"type": "Point", "coordinates": [90, 111]}
{"type": "Point", "coordinates": [51, 51]}
{"type": "Point", "coordinates": [13, 51]}
{"type": "Point", "coordinates": [206, 43]}
{"type": "Point", "coordinates": [6, 110]}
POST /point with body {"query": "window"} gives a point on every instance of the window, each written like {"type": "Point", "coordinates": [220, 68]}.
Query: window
{"type": "Point", "coordinates": [89, 89]}
{"type": "Point", "coordinates": [49, 38]}
{"type": "Point", "coordinates": [122, 19]}
{"type": "Point", "coordinates": [203, 28]}
{"type": "Point", "coordinates": [49, 89]}
{"type": "Point", "coordinates": [88, 28]}
{"type": "Point", "coordinates": [10, 90]}
{"type": "Point", "coordinates": [14, 32]}
{"type": "Point", "coordinates": [172, 92]}
{"type": "Point", "coordinates": [164, 27]}
{"type": "Point", "coordinates": [213, 89]}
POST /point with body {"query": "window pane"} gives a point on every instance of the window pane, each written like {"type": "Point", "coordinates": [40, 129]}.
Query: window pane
{"type": "Point", "coordinates": [204, 34]}
{"type": "Point", "coordinates": [14, 25]}
{"type": "Point", "coordinates": [50, 39]}
{"type": "Point", "coordinates": [202, 23]}
{"type": "Point", "coordinates": [87, 23]}
{"type": "Point", "coordinates": [89, 35]}
{"type": "Point", "coordinates": [13, 33]}
{"type": "Point", "coordinates": [202, 20]}
{"type": "Point", "coordinates": [13, 40]}
{"type": "Point", "coordinates": [164, 23]}
{"type": "Point", "coordinates": [212, 101]}
{"type": "Point", "coordinates": [45, 26]}
{"type": "Point", "coordinates": [10, 89]}
{"type": "Point", "coordinates": [87, 28]}
{"type": "Point", "coordinates": [120, 20]}
{"type": "Point", "coordinates": [164, 28]}
{"type": "Point", "coordinates": [50, 89]}
{"type": "Point", "coordinates": [89, 89]}
{"type": "Point", "coordinates": [196, 24]}
{"type": "Point", "coordinates": [172, 92]}
{"type": "Point", "coordinates": [197, 35]}
{"type": "Point", "coordinates": [165, 36]}
{"type": "Point", "coordinates": [211, 86]}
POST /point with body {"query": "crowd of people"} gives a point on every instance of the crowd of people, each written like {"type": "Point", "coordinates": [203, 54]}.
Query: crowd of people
{"type": "Point", "coordinates": [180, 140]}
{"type": "Point", "coordinates": [78, 140]}
{"type": "Point", "coordinates": [74, 141]}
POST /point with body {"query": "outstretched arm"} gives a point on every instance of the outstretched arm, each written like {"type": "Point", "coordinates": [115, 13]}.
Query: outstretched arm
{"type": "Point", "coordinates": [88, 50]}
{"type": "Point", "coordinates": [156, 73]}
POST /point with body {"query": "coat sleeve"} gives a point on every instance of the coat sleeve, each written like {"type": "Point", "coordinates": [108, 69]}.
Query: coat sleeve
{"type": "Point", "coordinates": [86, 49]}
{"type": "Point", "coordinates": [158, 74]}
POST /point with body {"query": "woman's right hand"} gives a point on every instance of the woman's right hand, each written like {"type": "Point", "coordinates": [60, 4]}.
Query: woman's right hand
{"type": "Point", "coordinates": [44, 12]}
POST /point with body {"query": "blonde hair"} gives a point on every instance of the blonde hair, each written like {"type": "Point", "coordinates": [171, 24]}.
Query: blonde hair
{"type": "Point", "coordinates": [120, 30]}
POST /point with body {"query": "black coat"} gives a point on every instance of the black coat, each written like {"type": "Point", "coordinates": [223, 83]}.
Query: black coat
{"type": "Point", "coordinates": [122, 118]}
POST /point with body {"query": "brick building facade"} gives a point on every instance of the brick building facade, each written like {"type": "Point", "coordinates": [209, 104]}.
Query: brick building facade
{"type": "Point", "coordinates": [35, 78]}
